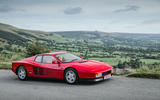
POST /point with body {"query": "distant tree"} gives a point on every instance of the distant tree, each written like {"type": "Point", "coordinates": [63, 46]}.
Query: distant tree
{"type": "Point", "coordinates": [120, 65]}
{"type": "Point", "coordinates": [86, 54]}
{"type": "Point", "coordinates": [34, 48]}
{"type": "Point", "coordinates": [7, 47]}
{"type": "Point", "coordinates": [133, 63]}
{"type": "Point", "coordinates": [125, 64]}
{"type": "Point", "coordinates": [1, 49]}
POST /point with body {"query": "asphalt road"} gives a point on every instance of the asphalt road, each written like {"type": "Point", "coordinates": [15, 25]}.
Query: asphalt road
{"type": "Point", "coordinates": [117, 88]}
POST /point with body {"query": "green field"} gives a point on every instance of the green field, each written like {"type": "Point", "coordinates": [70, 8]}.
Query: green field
{"type": "Point", "coordinates": [114, 61]}
{"type": "Point", "coordinates": [150, 61]}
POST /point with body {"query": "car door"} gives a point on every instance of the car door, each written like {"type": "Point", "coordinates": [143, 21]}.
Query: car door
{"type": "Point", "coordinates": [44, 66]}
{"type": "Point", "coordinates": [50, 69]}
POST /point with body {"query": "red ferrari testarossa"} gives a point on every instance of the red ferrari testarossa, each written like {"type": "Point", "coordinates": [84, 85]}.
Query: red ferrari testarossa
{"type": "Point", "coordinates": [61, 65]}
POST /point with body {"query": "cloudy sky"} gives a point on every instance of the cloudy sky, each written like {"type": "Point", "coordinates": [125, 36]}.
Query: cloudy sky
{"type": "Point", "coordinates": [134, 16]}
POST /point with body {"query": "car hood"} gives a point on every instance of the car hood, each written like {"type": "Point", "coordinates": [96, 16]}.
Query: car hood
{"type": "Point", "coordinates": [93, 66]}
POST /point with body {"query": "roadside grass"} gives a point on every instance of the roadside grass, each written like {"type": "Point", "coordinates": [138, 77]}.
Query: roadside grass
{"type": "Point", "coordinates": [5, 61]}
{"type": "Point", "coordinates": [13, 57]}
{"type": "Point", "coordinates": [5, 66]}
{"type": "Point", "coordinates": [145, 75]}
{"type": "Point", "coordinates": [152, 72]}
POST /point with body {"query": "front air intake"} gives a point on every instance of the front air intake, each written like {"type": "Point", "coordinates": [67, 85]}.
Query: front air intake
{"type": "Point", "coordinates": [107, 72]}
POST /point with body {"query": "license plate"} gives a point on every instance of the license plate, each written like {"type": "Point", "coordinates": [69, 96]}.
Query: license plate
{"type": "Point", "coordinates": [107, 76]}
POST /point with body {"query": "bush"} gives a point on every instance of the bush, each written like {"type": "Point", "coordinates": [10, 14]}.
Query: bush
{"type": "Point", "coordinates": [36, 48]}
{"type": "Point", "coordinates": [133, 63]}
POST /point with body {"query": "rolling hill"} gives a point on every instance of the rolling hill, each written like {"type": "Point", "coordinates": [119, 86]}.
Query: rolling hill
{"type": "Point", "coordinates": [13, 35]}
{"type": "Point", "coordinates": [129, 39]}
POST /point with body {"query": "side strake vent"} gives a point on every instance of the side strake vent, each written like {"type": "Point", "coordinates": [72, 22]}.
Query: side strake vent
{"type": "Point", "coordinates": [38, 71]}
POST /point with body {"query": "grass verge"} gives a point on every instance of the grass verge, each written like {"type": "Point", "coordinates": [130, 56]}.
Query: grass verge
{"type": "Point", "coordinates": [152, 72]}
{"type": "Point", "coordinates": [5, 66]}
{"type": "Point", "coordinates": [145, 75]}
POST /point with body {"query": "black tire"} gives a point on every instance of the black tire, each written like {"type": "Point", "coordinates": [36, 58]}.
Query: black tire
{"type": "Point", "coordinates": [72, 71]}
{"type": "Point", "coordinates": [22, 75]}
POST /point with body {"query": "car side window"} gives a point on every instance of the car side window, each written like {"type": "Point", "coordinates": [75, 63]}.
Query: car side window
{"type": "Point", "coordinates": [38, 58]}
{"type": "Point", "coordinates": [48, 59]}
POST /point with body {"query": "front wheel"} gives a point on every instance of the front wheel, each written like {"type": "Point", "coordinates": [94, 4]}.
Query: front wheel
{"type": "Point", "coordinates": [22, 73]}
{"type": "Point", "coordinates": [71, 76]}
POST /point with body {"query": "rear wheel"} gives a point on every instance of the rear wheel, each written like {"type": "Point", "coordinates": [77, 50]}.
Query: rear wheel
{"type": "Point", "coordinates": [71, 76]}
{"type": "Point", "coordinates": [22, 73]}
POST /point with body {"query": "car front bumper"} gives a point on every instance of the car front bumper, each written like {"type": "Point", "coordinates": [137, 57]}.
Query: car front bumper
{"type": "Point", "coordinates": [97, 79]}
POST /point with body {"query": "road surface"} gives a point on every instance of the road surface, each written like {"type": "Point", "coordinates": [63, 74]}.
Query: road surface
{"type": "Point", "coordinates": [117, 88]}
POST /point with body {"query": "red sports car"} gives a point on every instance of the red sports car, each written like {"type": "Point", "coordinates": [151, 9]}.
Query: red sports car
{"type": "Point", "coordinates": [61, 65]}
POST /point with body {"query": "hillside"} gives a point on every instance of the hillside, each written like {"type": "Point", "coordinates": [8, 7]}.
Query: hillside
{"type": "Point", "coordinates": [15, 36]}
{"type": "Point", "coordinates": [129, 39]}
{"type": "Point", "coordinates": [12, 35]}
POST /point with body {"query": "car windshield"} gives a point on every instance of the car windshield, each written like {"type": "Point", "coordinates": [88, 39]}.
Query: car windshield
{"type": "Point", "coordinates": [67, 57]}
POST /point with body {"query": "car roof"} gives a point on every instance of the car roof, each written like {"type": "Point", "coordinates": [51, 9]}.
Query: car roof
{"type": "Point", "coordinates": [55, 53]}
